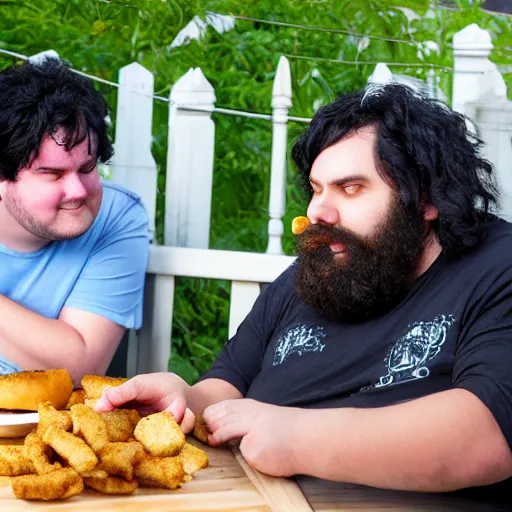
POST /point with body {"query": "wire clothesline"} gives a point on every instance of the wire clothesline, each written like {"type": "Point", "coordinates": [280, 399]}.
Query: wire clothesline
{"type": "Point", "coordinates": [320, 29]}
{"type": "Point", "coordinates": [243, 113]}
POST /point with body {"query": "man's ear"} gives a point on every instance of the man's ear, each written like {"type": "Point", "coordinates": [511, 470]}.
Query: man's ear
{"type": "Point", "coordinates": [2, 188]}
{"type": "Point", "coordinates": [430, 212]}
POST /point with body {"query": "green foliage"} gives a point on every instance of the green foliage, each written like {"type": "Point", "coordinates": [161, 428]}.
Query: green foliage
{"type": "Point", "coordinates": [100, 36]}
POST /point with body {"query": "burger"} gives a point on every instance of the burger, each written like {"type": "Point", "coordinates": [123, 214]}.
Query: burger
{"type": "Point", "coordinates": [22, 391]}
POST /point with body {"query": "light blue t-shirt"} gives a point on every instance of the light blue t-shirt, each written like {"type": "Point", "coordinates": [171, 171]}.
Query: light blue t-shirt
{"type": "Point", "coordinates": [101, 272]}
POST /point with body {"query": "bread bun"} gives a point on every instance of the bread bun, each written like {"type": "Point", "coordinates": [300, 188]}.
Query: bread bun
{"type": "Point", "coordinates": [24, 390]}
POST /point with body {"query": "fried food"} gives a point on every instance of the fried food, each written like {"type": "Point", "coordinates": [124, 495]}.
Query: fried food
{"type": "Point", "coordinates": [77, 397]}
{"type": "Point", "coordinates": [76, 452]}
{"type": "Point", "coordinates": [91, 402]}
{"type": "Point", "coordinates": [40, 454]}
{"type": "Point", "coordinates": [48, 415]}
{"type": "Point", "coordinates": [13, 462]}
{"type": "Point", "coordinates": [58, 485]}
{"type": "Point", "coordinates": [119, 425]}
{"type": "Point", "coordinates": [165, 472]}
{"type": "Point", "coordinates": [24, 390]}
{"type": "Point", "coordinates": [200, 430]}
{"type": "Point", "coordinates": [90, 425]}
{"type": "Point", "coordinates": [95, 384]}
{"type": "Point", "coordinates": [112, 452]}
{"type": "Point", "coordinates": [160, 435]}
{"type": "Point", "coordinates": [300, 224]}
{"type": "Point", "coordinates": [192, 458]}
{"type": "Point", "coordinates": [95, 473]}
{"type": "Point", "coordinates": [120, 458]}
{"type": "Point", "coordinates": [111, 485]}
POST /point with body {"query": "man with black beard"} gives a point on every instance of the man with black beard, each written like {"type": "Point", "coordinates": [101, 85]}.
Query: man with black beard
{"type": "Point", "coordinates": [383, 355]}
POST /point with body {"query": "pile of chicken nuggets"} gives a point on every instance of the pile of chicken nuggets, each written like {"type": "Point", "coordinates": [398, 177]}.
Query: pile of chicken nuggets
{"type": "Point", "coordinates": [112, 452]}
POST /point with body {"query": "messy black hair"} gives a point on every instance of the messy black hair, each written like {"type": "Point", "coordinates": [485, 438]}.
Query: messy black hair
{"type": "Point", "coordinates": [40, 98]}
{"type": "Point", "coordinates": [423, 149]}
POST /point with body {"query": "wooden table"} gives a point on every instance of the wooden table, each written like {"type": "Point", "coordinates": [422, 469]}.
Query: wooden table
{"type": "Point", "coordinates": [230, 485]}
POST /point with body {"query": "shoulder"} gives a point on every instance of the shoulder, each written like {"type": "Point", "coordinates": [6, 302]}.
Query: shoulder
{"type": "Point", "coordinates": [493, 250]}
{"type": "Point", "coordinates": [118, 196]}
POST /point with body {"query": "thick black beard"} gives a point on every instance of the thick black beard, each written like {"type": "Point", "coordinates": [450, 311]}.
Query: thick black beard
{"type": "Point", "coordinates": [371, 277]}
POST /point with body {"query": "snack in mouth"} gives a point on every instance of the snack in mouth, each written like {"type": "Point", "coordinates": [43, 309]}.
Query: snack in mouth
{"type": "Point", "coordinates": [24, 390]}
{"type": "Point", "coordinates": [300, 224]}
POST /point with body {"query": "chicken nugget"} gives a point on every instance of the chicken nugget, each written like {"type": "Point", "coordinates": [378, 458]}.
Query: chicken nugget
{"type": "Point", "coordinates": [58, 485]}
{"type": "Point", "coordinates": [120, 458]}
{"type": "Point", "coordinates": [160, 435]}
{"type": "Point", "coordinates": [40, 454]}
{"type": "Point", "coordinates": [164, 472]}
{"type": "Point", "coordinates": [91, 402]}
{"type": "Point", "coordinates": [48, 415]}
{"type": "Point", "coordinates": [78, 454]}
{"type": "Point", "coordinates": [90, 425]}
{"type": "Point", "coordinates": [192, 458]}
{"type": "Point", "coordinates": [77, 397]}
{"type": "Point", "coordinates": [94, 473]}
{"type": "Point", "coordinates": [95, 384]}
{"type": "Point", "coordinates": [200, 431]}
{"type": "Point", "coordinates": [119, 426]}
{"type": "Point", "coordinates": [111, 485]}
{"type": "Point", "coordinates": [13, 461]}
{"type": "Point", "coordinates": [133, 415]}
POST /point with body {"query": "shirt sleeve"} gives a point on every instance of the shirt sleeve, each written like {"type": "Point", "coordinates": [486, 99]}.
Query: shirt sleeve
{"type": "Point", "coordinates": [241, 359]}
{"type": "Point", "coordinates": [111, 283]}
{"type": "Point", "coordinates": [484, 354]}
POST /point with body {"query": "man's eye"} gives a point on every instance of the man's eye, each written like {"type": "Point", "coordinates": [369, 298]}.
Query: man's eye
{"type": "Point", "coordinates": [88, 170]}
{"type": "Point", "coordinates": [352, 189]}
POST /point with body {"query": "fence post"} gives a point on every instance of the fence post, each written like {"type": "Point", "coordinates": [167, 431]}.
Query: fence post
{"type": "Point", "coordinates": [133, 165]}
{"type": "Point", "coordinates": [471, 49]}
{"type": "Point", "coordinates": [281, 103]}
{"type": "Point", "coordinates": [191, 145]}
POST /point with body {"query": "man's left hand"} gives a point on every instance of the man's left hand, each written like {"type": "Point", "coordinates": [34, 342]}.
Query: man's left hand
{"type": "Point", "coordinates": [268, 433]}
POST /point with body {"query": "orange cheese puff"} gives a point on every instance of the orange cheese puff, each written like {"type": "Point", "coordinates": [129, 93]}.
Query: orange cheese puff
{"type": "Point", "coordinates": [299, 225]}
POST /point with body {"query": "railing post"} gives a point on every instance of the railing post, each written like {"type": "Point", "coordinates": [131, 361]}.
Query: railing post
{"type": "Point", "coordinates": [188, 190]}
{"type": "Point", "coordinates": [281, 103]}
{"type": "Point", "coordinates": [133, 165]}
{"type": "Point", "coordinates": [471, 49]}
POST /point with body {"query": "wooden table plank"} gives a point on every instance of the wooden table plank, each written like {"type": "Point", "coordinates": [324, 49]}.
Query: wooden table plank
{"type": "Point", "coordinates": [325, 496]}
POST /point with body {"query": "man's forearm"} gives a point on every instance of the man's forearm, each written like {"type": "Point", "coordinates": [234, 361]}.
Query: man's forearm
{"type": "Point", "coordinates": [437, 443]}
{"type": "Point", "coordinates": [208, 392]}
{"type": "Point", "coordinates": [35, 342]}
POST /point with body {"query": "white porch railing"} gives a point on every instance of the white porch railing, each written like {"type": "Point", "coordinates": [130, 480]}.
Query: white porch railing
{"type": "Point", "coordinates": [246, 270]}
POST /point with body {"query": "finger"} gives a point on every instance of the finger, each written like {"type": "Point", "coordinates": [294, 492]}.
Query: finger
{"type": "Point", "coordinates": [228, 431]}
{"type": "Point", "coordinates": [117, 396]}
{"type": "Point", "coordinates": [187, 423]}
{"type": "Point", "coordinates": [177, 408]}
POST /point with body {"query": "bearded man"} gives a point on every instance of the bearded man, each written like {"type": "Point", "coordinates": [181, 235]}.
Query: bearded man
{"type": "Point", "coordinates": [382, 355]}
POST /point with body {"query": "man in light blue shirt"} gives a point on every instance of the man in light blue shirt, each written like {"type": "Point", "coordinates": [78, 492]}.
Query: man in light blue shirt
{"type": "Point", "coordinates": [73, 250]}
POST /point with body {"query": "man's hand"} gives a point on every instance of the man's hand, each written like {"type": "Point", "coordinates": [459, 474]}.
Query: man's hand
{"type": "Point", "coordinates": [151, 393]}
{"type": "Point", "coordinates": [268, 433]}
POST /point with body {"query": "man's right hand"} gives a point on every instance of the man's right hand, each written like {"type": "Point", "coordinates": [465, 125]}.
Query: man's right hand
{"type": "Point", "coordinates": [151, 393]}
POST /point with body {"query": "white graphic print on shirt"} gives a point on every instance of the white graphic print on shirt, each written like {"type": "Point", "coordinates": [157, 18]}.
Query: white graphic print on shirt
{"type": "Point", "coordinates": [301, 339]}
{"type": "Point", "coordinates": [407, 360]}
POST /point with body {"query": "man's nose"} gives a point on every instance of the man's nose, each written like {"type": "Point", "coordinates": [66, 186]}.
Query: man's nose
{"type": "Point", "coordinates": [322, 211]}
{"type": "Point", "coordinates": [74, 188]}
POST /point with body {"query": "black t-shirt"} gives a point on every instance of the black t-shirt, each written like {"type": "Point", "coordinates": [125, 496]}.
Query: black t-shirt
{"type": "Point", "coordinates": [453, 330]}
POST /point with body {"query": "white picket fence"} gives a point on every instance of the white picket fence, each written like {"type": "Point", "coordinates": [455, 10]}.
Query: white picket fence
{"type": "Point", "coordinates": [478, 91]}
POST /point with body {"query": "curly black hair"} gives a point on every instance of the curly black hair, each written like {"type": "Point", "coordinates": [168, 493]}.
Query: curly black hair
{"type": "Point", "coordinates": [38, 99]}
{"type": "Point", "coordinates": [423, 149]}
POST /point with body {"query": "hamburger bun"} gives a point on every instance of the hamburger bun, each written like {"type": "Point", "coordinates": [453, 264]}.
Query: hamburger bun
{"type": "Point", "coordinates": [24, 390]}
